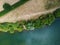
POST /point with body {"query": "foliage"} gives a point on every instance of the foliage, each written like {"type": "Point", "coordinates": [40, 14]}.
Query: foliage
{"type": "Point", "coordinates": [6, 6]}
{"type": "Point", "coordinates": [27, 25]}
{"type": "Point", "coordinates": [47, 19]}
{"type": "Point", "coordinates": [57, 12]}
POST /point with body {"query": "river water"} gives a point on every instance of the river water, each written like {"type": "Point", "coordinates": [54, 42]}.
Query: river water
{"type": "Point", "coordinates": [48, 35]}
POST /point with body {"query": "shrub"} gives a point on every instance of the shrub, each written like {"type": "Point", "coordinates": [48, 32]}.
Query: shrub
{"type": "Point", "coordinates": [57, 13]}
{"type": "Point", "coordinates": [6, 6]}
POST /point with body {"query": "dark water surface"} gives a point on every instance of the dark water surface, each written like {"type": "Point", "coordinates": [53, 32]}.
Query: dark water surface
{"type": "Point", "coordinates": [49, 35]}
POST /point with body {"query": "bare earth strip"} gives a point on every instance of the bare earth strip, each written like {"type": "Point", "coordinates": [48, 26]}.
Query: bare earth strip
{"type": "Point", "coordinates": [30, 10]}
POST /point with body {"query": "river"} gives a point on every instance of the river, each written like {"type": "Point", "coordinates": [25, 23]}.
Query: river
{"type": "Point", "coordinates": [48, 35]}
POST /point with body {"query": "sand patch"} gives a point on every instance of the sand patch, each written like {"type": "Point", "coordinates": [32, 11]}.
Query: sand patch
{"type": "Point", "coordinates": [27, 11]}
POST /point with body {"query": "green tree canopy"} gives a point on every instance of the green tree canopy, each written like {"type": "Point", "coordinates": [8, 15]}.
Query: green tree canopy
{"type": "Point", "coordinates": [57, 12]}
{"type": "Point", "coordinates": [6, 6]}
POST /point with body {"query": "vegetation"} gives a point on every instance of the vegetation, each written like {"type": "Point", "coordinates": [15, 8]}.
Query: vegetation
{"type": "Point", "coordinates": [57, 13]}
{"type": "Point", "coordinates": [47, 19]}
{"type": "Point", "coordinates": [27, 25]}
{"type": "Point", "coordinates": [8, 8]}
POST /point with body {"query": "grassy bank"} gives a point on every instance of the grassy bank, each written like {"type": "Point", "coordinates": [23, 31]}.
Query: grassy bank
{"type": "Point", "coordinates": [47, 19]}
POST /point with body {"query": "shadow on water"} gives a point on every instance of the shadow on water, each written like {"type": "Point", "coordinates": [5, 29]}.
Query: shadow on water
{"type": "Point", "coordinates": [49, 35]}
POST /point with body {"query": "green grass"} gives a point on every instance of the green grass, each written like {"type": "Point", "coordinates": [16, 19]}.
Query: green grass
{"type": "Point", "coordinates": [8, 8]}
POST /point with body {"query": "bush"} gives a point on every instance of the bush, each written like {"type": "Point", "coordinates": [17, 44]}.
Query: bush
{"type": "Point", "coordinates": [57, 13]}
{"type": "Point", "coordinates": [6, 6]}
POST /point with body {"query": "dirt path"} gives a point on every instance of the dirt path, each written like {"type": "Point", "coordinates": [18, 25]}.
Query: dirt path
{"type": "Point", "coordinates": [31, 9]}
{"type": "Point", "coordinates": [35, 15]}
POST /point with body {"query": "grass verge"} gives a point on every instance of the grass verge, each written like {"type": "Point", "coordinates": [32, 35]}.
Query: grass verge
{"type": "Point", "coordinates": [8, 8]}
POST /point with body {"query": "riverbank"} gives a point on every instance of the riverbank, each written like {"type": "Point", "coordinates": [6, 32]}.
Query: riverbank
{"type": "Point", "coordinates": [46, 19]}
{"type": "Point", "coordinates": [29, 18]}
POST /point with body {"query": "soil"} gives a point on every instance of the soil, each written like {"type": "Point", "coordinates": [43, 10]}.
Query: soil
{"type": "Point", "coordinates": [30, 10]}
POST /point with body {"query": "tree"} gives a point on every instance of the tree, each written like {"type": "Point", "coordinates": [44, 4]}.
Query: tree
{"type": "Point", "coordinates": [6, 6]}
{"type": "Point", "coordinates": [57, 12]}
